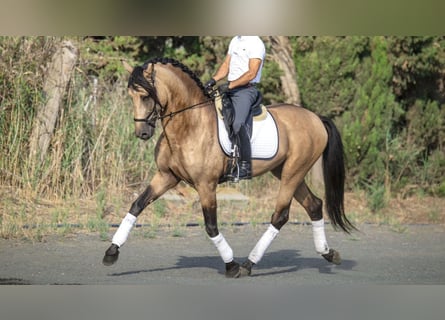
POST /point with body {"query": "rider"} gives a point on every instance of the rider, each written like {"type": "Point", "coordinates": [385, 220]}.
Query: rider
{"type": "Point", "coordinates": [242, 66]}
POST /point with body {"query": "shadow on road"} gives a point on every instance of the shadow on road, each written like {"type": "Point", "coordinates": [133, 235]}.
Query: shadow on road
{"type": "Point", "coordinates": [287, 261]}
{"type": "Point", "coordinates": [273, 263]}
{"type": "Point", "coordinates": [14, 281]}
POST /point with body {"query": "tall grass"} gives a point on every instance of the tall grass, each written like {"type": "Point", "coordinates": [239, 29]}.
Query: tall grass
{"type": "Point", "coordinates": [93, 146]}
{"type": "Point", "coordinates": [21, 60]}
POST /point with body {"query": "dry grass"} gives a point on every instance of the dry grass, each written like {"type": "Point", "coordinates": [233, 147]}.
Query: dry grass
{"type": "Point", "coordinates": [26, 217]}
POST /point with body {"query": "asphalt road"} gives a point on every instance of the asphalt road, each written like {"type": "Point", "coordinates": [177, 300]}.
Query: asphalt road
{"type": "Point", "coordinates": [412, 254]}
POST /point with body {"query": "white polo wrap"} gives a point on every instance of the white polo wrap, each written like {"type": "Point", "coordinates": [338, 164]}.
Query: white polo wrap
{"type": "Point", "coordinates": [321, 245]}
{"type": "Point", "coordinates": [124, 229]}
{"type": "Point", "coordinates": [257, 253]}
{"type": "Point", "coordinates": [223, 247]}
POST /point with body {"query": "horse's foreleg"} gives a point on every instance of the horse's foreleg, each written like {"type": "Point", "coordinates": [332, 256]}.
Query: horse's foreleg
{"type": "Point", "coordinates": [314, 208]}
{"type": "Point", "coordinates": [160, 183]}
{"type": "Point", "coordinates": [209, 209]}
{"type": "Point", "coordinates": [279, 218]}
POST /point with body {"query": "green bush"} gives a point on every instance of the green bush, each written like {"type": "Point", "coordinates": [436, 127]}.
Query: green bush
{"type": "Point", "coordinates": [386, 94]}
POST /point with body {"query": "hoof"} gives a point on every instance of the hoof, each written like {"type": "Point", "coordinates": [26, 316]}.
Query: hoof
{"type": "Point", "coordinates": [111, 255]}
{"type": "Point", "coordinates": [332, 256]}
{"type": "Point", "coordinates": [232, 270]}
{"type": "Point", "coordinates": [246, 268]}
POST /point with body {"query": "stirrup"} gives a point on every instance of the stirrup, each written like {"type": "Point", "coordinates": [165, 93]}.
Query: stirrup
{"type": "Point", "coordinates": [232, 173]}
{"type": "Point", "coordinates": [237, 171]}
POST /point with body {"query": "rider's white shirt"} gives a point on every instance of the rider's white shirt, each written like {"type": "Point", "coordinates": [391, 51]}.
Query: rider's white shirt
{"type": "Point", "coordinates": [241, 49]}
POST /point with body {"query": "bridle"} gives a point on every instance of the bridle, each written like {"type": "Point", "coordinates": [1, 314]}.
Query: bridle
{"type": "Point", "coordinates": [151, 118]}
{"type": "Point", "coordinates": [158, 113]}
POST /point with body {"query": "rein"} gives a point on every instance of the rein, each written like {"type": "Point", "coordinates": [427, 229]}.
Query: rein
{"type": "Point", "coordinates": [171, 114]}
{"type": "Point", "coordinates": [154, 115]}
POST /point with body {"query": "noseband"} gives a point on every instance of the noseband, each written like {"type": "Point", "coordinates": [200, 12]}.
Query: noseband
{"type": "Point", "coordinates": [152, 117]}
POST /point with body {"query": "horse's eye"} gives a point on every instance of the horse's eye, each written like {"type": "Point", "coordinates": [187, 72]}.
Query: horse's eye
{"type": "Point", "coordinates": [145, 98]}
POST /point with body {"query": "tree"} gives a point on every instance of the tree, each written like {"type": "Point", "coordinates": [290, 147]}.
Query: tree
{"type": "Point", "coordinates": [281, 52]}
{"type": "Point", "coordinates": [419, 85]}
{"type": "Point", "coordinates": [326, 68]}
{"type": "Point", "coordinates": [57, 78]}
{"type": "Point", "coordinates": [368, 129]}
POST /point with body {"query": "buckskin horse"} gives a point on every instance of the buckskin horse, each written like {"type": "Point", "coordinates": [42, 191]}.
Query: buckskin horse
{"type": "Point", "coordinates": [188, 150]}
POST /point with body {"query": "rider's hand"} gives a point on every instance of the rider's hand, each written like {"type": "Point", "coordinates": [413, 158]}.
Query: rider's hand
{"type": "Point", "coordinates": [209, 84]}
{"type": "Point", "coordinates": [223, 88]}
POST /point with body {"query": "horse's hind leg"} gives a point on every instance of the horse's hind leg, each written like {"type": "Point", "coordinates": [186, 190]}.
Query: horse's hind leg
{"type": "Point", "coordinates": [314, 208]}
{"type": "Point", "coordinates": [160, 183]}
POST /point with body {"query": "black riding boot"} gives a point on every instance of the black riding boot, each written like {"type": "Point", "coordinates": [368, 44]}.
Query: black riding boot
{"type": "Point", "coordinates": [245, 161]}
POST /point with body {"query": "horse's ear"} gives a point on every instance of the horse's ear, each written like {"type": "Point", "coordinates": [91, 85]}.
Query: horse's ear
{"type": "Point", "coordinates": [127, 66]}
{"type": "Point", "coordinates": [149, 73]}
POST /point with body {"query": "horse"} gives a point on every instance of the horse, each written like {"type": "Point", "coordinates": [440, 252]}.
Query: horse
{"type": "Point", "coordinates": [165, 90]}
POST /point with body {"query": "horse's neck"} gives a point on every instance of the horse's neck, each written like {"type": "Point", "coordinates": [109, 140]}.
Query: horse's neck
{"type": "Point", "coordinates": [193, 122]}
{"type": "Point", "coordinates": [176, 90]}
{"type": "Point", "coordinates": [192, 113]}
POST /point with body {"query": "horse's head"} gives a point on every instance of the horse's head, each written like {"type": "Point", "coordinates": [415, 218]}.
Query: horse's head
{"type": "Point", "coordinates": [177, 89]}
{"type": "Point", "coordinates": [145, 101]}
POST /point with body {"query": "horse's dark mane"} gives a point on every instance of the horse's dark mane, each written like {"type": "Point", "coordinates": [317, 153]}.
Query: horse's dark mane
{"type": "Point", "coordinates": [137, 76]}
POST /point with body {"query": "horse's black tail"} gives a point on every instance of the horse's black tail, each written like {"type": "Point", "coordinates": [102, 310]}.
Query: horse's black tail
{"type": "Point", "coordinates": [334, 177]}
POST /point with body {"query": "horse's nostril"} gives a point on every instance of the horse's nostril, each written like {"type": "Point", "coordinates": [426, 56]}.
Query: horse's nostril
{"type": "Point", "coordinates": [144, 135]}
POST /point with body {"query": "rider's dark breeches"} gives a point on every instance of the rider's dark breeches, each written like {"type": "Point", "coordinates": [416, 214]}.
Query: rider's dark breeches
{"type": "Point", "coordinates": [242, 100]}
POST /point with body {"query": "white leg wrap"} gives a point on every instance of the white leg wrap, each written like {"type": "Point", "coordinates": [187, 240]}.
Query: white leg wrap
{"type": "Point", "coordinates": [223, 247]}
{"type": "Point", "coordinates": [321, 245]}
{"type": "Point", "coordinates": [257, 253]}
{"type": "Point", "coordinates": [124, 229]}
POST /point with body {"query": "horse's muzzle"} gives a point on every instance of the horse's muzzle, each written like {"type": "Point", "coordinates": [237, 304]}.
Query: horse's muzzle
{"type": "Point", "coordinates": [144, 131]}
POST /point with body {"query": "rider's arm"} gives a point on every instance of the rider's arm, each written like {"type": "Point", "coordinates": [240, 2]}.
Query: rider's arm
{"type": "Point", "coordinates": [249, 75]}
{"type": "Point", "coordinates": [223, 70]}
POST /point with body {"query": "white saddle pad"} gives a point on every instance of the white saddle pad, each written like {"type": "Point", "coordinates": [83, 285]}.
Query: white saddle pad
{"type": "Point", "coordinates": [264, 138]}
